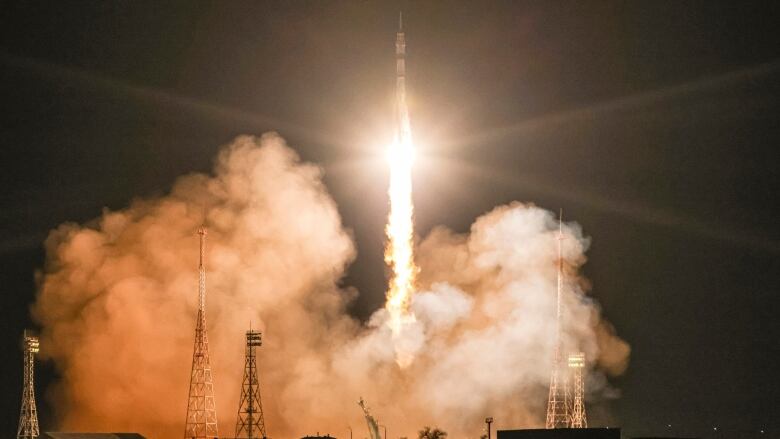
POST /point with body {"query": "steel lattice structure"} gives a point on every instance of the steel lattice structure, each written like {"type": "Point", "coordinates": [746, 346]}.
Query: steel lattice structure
{"type": "Point", "coordinates": [28, 418]}
{"type": "Point", "coordinates": [201, 409]}
{"type": "Point", "coordinates": [578, 417]}
{"type": "Point", "coordinates": [558, 398]}
{"type": "Point", "coordinates": [250, 420]}
{"type": "Point", "coordinates": [373, 425]}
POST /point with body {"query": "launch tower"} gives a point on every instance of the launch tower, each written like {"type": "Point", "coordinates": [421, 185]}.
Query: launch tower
{"type": "Point", "coordinates": [558, 398]}
{"type": "Point", "coordinates": [201, 410]}
{"type": "Point", "coordinates": [28, 418]}
{"type": "Point", "coordinates": [373, 426]}
{"type": "Point", "coordinates": [250, 423]}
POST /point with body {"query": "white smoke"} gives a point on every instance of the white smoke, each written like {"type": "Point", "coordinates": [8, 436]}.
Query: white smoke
{"type": "Point", "coordinates": [118, 298]}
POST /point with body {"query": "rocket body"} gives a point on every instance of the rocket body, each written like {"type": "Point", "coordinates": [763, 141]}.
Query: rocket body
{"type": "Point", "coordinates": [400, 54]}
{"type": "Point", "coordinates": [402, 113]}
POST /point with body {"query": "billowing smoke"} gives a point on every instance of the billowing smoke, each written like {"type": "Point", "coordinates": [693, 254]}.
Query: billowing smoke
{"type": "Point", "coordinates": [118, 299]}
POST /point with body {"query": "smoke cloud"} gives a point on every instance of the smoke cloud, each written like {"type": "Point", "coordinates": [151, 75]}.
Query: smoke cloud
{"type": "Point", "coordinates": [118, 299]}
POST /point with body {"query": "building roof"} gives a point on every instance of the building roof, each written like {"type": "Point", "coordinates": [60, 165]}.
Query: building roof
{"type": "Point", "coordinates": [561, 433]}
{"type": "Point", "coordinates": [60, 435]}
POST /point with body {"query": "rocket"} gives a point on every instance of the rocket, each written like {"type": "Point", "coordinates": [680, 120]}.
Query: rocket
{"type": "Point", "coordinates": [400, 51]}
{"type": "Point", "coordinates": [402, 112]}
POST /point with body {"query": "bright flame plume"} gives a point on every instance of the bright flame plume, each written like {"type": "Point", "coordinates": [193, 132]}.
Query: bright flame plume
{"type": "Point", "coordinates": [399, 252]}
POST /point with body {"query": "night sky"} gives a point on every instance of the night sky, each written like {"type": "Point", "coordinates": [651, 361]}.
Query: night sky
{"type": "Point", "coordinates": [655, 125]}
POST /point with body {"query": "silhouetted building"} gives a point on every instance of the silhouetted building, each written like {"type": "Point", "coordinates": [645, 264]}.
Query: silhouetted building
{"type": "Point", "coordinates": [58, 435]}
{"type": "Point", "coordinates": [561, 433]}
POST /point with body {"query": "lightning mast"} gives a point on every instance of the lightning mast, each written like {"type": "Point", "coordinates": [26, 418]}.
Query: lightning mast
{"type": "Point", "coordinates": [250, 420]}
{"type": "Point", "coordinates": [28, 418]}
{"type": "Point", "coordinates": [201, 409]}
{"type": "Point", "coordinates": [578, 416]}
{"type": "Point", "coordinates": [558, 398]}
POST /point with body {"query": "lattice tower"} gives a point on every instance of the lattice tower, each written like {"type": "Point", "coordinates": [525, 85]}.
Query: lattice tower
{"type": "Point", "coordinates": [28, 418]}
{"type": "Point", "coordinates": [576, 365]}
{"type": "Point", "coordinates": [250, 422]}
{"type": "Point", "coordinates": [201, 410]}
{"type": "Point", "coordinates": [558, 397]}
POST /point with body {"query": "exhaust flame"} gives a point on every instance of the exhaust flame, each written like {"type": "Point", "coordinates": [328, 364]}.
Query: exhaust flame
{"type": "Point", "coordinates": [399, 253]}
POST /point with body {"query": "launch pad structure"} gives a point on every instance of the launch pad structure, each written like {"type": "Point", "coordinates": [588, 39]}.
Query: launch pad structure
{"type": "Point", "coordinates": [373, 425]}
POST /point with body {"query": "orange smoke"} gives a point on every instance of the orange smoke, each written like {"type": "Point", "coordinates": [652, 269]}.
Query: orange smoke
{"type": "Point", "coordinates": [118, 300]}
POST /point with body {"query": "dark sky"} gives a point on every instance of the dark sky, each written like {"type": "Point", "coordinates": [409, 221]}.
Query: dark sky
{"type": "Point", "coordinates": [655, 125]}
